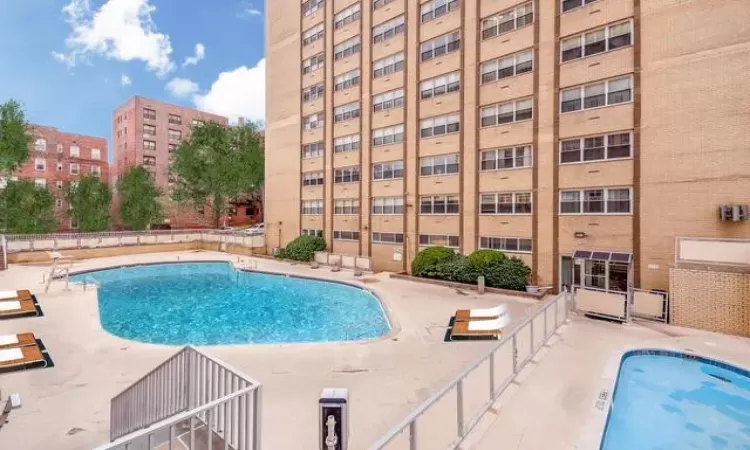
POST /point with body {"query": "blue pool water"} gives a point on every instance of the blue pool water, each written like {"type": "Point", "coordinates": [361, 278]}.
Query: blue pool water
{"type": "Point", "coordinates": [212, 303]}
{"type": "Point", "coordinates": [664, 401]}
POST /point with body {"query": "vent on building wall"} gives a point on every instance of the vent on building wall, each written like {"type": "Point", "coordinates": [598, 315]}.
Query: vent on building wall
{"type": "Point", "coordinates": [734, 213]}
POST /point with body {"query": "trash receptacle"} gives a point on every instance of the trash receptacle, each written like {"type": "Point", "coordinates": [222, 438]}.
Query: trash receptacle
{"type": "Point", "coordinates": [334, 419]}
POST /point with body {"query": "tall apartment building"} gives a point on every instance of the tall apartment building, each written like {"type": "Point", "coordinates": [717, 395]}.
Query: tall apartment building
{"type": "Point", "coordinates": [582, 136]}
{"type": "Point", "coordinates": [58, 159]}
{"type": "Point", "coordinates": [145, 132]}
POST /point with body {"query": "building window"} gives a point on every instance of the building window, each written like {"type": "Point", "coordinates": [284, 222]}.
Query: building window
{"type": "Point", "coordinates": [312, 178]}
{"type": "Point", "coordinates": [387, 206]}
{"type": "Point", "coordinates": [59, 148]}
{"type": "Point", "coordinates": [346, 112]}
{"type": "Point", "coordinates": [440, 126]}
{"type": "Point", "coordinates": [567, 5]}
{"type": "Point", "coordinates": [40, 164]}
{"type": "Point", "coordinates": [444, 84]}
{"type": "Point", "coordinates": [388, 65]}
{"type": "Point", "coordinates": [59, 185]}
{"type": "Point", "coordinates": [347, 16]}
{"type": "Point", "coordinates": [596, 95]}
{"type": "Point", "coordinates": [441, 240]}
{"type": "Point", "coordinates": [149, 130]}
{"type": "Point", "coordinates": [507, 158]}
{"type": "Point", "coordinates": [149, 160]}
{"type": "Point", "coordinates": [507, 21]}
{"type": "Point", "coordinates": [60, 167]}
{"type": "Point", "coordinates": [170, 148]}
{"type": "Point", "coordinates": [602, 274]}
{"type": "Point", "coordinates": [439, 204]}
{"type": "Point", "coordinates": [387, 238]}
{"type": "Point", "coordinates": [313, 92]}
{"type": "Point", "coordinates": [347, 48]}
{"type": "Point", "coordinates": [174, 119]}
{"type": "Point", "coordinates": [96, 154]}
{"type": "Point", "coordinates": [312, 207]}
{"type": "Point", "coordinates": [507, 66]}
{"type": "Point", "coordinates": [596, 201]}
{"type": "Point", "coordinates": [346, 235]}
{"type": "Point", "coordinates": [502, 113]}
{"type": "Point", "coordinates": [438, 165]}
{"type": "Point", "coordinates": [310, 6]}
{"type": "Point", "coordinates": [149, 146]}
{"type": "Point", "coordinates": [596, 148]}
{"type": "Point", "coordinates": [149, 114]}
{"type": "Point", "coordinates": [505, 244]}
{"type": "Point", "coordinates": [40, 145]}
{"type": "Point", "coordinates": [388, 170]}
{"type": "Point", "coordinates": [346, 80]}
{"type": "Point", "coordinates": [598, 41]}
{"type": "Point", "coordinates": [441, 45]}
{"type": "Point", "coordinates": [174, 135]}
{"type": "Point", "coordinates": [58, 203]}
{"type": "Point", "coordinates": [96, 171]}
{"type": "Point", "coordinates": [197, 122]}
{"type": "Point", "coordinates": [313, 121]}
{"type": "Point", "coordinates": [311, 232]}
{"type": "Point", "coordinates": [377, 4]}
{"type": "Point", "coordinates": [313, 34]}
{"type": "Point", "coordinates": [346, 207]}
{"type": "Point", "coordinates": [75, 151]}
{"type": "Point", "coordinates": [313, 63]}
{"type": "Point", "coordinates": [346, 175]}
{"type": "Point", "coordinates": [388, 100]}
{"type": "Point", "coordinates": [387, 30]}
{"type": "Point", "coordinates": [314, 150]}
{"type": "Point", "coordinates": [40, 182]}
{"type": "Point", "coordinates": [388, 135]}
{"type": "Point", "coordinates": [75, 169]}
{"type": "Point", "coordinates": [346, 143]}
{"type": "Point", "coordinates": [505, 203]}
{"type": "Point", "coordinates": [436, 8]}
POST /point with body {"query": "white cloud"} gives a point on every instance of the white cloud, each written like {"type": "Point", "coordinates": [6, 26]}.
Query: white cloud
{"type": "Point", "coordinates": [237, 93]}
{"type": "Point", "coordinates": [182, 87]}
{"type": "Point", "coordinates": [200, 53]}
{"type": "Point", "coordinates": [253, 12]}
{"type": "Point", "coordinates": [123, 30]}
{"type": "Point", "coordinates": [125, 80]}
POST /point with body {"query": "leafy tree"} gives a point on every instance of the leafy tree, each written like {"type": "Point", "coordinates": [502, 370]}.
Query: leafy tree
{"type": "Point", "coordinates": [27, 208]}
{"type": "Point", "coordinates": [139, 199]}
{"type": "Point", "coordinates": [91, 204]}
{"type": "Point", "coordinates": [14, 137]}
{"type": "Point", "coordinates": [216, 164]}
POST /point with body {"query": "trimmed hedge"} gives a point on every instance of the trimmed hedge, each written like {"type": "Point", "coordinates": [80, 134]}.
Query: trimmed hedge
{"type": "Point", "coordinates": [498, 270]}
{"type": "Point", "coordinates": [303, 248]}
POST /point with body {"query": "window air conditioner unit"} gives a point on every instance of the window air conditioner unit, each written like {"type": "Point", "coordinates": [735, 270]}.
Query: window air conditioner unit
{"type": "Point", "coordinates": [735, 213]}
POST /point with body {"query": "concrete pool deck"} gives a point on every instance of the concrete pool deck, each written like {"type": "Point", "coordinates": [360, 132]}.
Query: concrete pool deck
{"type": "Point", "coordinates": [549, 407]}
{"type": "Point", "coordinates": [67, 406]}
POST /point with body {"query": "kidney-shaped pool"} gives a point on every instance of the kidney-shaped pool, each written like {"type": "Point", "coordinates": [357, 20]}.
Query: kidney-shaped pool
{"type": "Point", "coordinates": [211, 303]}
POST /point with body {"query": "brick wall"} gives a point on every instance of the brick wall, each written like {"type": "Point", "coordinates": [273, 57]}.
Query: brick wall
{"type": "Point", "coordinates": [710, 300]}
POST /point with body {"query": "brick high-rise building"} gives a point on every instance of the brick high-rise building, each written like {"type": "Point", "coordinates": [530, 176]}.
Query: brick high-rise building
{"type": "Point", "coordinates": [57, 159]}
{"type": "Point", "coordinates": [580, 135]}
{"type": "Point", "coordinates": [146, 131]}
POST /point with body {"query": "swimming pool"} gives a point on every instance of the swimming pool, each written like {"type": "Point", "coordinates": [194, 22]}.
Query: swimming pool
{"type": "Point", "coordinates": [212, 303]}
{"type": "Point", "coordinates": [669, 400]}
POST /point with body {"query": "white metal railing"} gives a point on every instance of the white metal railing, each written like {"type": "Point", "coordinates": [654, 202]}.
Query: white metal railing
{"type": "Point", "coordinates": [189, 396]}
{"type": "Point", "coordinates": [345, 261]}
{"type": "Point", "coordinates": [17, 243]}
{"type": "Point", "coordinates": [536, 330]}
{"type": "Point", "coordinates": [650, 305]}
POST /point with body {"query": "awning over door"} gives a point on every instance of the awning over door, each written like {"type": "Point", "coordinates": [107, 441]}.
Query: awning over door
{"type": "Point", "coordinates": [619, 257]}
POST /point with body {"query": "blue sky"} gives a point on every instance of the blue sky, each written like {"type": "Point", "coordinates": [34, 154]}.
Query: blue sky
{"type": "Point", "coordinates": [72, 62]}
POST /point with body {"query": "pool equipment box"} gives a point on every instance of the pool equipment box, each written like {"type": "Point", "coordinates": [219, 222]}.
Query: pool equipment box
{"type": "Point", "coordinates": [333, 421]}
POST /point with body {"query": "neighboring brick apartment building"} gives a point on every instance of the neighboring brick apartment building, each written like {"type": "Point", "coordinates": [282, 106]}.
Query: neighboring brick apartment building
{"type": "Point", "coordinates": [570, 133]}
{"type": "Point", "coordinates": [57, 158]}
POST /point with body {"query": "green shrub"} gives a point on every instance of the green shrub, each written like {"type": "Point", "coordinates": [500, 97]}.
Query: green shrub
{"type": "Point", "coordinates": [481, 259]}
{"type": "Point", "coordinates": [303, 248]}
{"type": "Point", "coordinates": [509, 273]}
{"type": "Point", "coordinates": [457, 269]}
{"type": "Point", "coordinates": [426, 261]}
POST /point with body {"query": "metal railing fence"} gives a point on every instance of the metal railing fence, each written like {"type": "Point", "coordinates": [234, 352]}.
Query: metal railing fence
{"type": "Point", "coordinates": [532, 333]}
{"type": "Point", "coordinates": [190, 394]}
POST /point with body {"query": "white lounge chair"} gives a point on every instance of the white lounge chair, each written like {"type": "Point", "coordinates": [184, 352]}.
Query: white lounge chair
{"type": "Point", "coordinates": [476, 328]}
{"type": "Point", "coordinates": [464, 315]}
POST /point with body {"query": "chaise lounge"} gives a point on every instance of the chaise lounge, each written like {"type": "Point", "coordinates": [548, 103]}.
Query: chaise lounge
{"type": "Point", "coordinates": [15, 295]}
{"type": "Point", "coordinates": [13, 308]}
{"type": "Point", "coordinates": [465, 315]}
{"type": "Point", "coordinates": [21, 357]}
{"type": "Point", "coordinates": [17, 340]}
{"type": "Point", "coordinates": [480, 328]}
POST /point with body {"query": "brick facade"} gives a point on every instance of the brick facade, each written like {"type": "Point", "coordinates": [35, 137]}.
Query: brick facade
{"type": "Point", "coordinates": [712, 300]}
